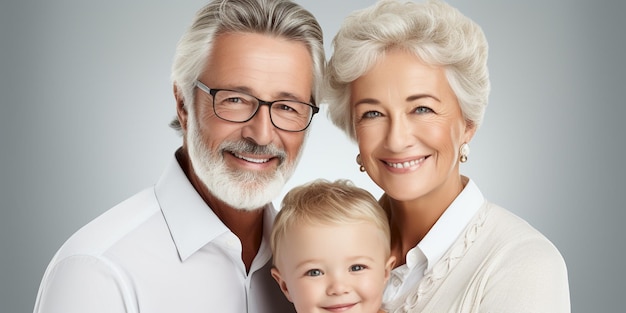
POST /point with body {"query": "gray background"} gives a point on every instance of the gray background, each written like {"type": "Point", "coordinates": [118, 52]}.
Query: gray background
{"type": "Point", "coordinates": [86, 99]}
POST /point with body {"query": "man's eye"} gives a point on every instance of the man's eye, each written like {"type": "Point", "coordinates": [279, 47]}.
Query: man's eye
{"type": "Point", "coordinates": [234, 100]}
{"type": "Point", "coordinates": [314, 272]}
{"type": "Point", "coordinates": [287, 107]}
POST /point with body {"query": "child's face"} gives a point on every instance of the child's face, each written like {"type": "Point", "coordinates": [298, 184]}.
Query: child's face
{"type": "Point", "coordinates": [334, 268]}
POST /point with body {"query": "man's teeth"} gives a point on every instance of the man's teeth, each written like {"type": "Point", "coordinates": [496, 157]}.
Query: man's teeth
{"type": "Point", "coordinates": [251, 159]}
{"type": "Point", "coordinates": [406, 164]}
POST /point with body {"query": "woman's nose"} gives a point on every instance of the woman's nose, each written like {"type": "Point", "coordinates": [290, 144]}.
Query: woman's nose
{"type": "Point", "coordinates": [399, 134]}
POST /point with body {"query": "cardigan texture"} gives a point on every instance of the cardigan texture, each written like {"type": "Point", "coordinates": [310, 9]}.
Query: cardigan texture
{"type": "Point", "coordinates": [499, 264]}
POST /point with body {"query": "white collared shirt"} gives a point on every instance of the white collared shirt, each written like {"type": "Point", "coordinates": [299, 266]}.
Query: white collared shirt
{"type": "Point", "coordinates": [162, 250]}
{"type": "Point", "coordinates": [437, 241]}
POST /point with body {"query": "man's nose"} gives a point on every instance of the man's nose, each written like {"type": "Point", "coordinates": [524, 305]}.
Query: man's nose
{"type": "Point", "coordinates": [259, 128]}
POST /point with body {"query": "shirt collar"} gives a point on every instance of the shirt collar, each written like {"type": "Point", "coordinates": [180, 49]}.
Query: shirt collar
{"type": "Point", "coordinates": [191, 222]}
{"type": "Point", "coordinates": [265, 253]}
{"type": "Point", "coordinates": [451, 223]}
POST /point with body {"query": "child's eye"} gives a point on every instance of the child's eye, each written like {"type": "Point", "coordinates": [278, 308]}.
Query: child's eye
{"type": "Point", "coordinates": [357, 267]}
{"type": "Point", "coordinates": [313, 272]}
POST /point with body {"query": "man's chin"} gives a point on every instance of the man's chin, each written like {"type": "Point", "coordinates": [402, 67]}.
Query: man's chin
{"type": "Point", "coordinates": [247, 193]}
{"type": "Point", "coordinates": [240, 188]}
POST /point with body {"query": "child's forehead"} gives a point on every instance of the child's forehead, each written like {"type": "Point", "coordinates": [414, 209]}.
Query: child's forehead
{"type": "Point", "coordinates": [312, 225]}
{"type": "Point", "coordinates": [332, 244]}
{"type": "Point", "coordinates": [336, 244]}
{"type": "Point", "coordinates": [332, 233]}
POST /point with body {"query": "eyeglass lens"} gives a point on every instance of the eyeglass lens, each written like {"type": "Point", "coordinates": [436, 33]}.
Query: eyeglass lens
{"type": "Point", "coordinates": [239, 107]}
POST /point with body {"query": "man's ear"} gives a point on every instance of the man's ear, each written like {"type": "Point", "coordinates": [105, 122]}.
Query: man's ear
{"type": "Point", "coordinates": [281, 283]}
{"type": "Point", "coordinates": [181, 110]}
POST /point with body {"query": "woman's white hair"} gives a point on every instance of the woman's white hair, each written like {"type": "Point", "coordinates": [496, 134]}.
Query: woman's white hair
{"type": "Point", "coordinates": [436, 32]}
{"type": "Point", "coordinates": [280, 18]}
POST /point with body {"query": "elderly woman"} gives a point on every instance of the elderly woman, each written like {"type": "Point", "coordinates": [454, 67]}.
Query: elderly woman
{"type": "Point", "coordinates": [409, 82]}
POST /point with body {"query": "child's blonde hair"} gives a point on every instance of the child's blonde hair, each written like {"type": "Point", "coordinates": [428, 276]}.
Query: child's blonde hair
{"type": "Point", "coordinates": [322, 202]}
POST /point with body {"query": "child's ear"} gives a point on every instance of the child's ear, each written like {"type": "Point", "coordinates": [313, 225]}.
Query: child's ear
{"type": "Point", "coordinates": [389, 266]}
{"type": "Point", "coordinates": [281, 283]}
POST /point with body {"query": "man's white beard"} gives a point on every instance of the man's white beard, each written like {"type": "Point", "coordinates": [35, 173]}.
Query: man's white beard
{"type": "Point", "coordinates": [241, 189]}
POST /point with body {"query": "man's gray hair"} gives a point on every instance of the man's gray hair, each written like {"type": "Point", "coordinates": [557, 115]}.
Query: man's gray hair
{"type": "Point", "coordinates": [280, 18]}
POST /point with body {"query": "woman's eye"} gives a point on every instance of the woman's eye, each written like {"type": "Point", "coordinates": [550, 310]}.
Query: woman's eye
{"type": "Point", "coordinates": [371, 114]}
{"type": "Point", "coordinates": [313, 272]}
{"type": "Point", "coordinates": [357, 267]}
{"type": "Point", "coordinates": [422, 110]}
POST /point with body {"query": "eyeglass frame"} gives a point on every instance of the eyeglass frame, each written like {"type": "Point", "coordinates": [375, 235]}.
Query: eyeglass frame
{"type": "Point", "coordinates": [213, 91]}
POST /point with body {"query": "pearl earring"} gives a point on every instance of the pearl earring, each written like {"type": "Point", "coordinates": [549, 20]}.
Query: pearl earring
{"type": "Point", "coordinates": [360, 163]}
{"type": "Point", "coordinates": [464, 151]}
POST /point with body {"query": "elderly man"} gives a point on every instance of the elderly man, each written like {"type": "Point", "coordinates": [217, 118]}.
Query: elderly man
{"type": "Point", "coordinates": [246, 75]}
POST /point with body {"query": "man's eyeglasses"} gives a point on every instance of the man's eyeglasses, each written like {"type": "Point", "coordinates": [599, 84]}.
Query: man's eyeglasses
{"type": "Point", "coordinates": [239, 107]}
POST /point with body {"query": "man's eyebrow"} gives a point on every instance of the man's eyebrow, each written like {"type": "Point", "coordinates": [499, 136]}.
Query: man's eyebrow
{"type": "Point", "coordinates": [283, 95]}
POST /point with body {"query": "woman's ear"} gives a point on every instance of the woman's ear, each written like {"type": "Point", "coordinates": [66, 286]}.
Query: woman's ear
{"type": "Point", "coordinates": [470, 130]}
{"type": "Point", "coordinates": [181, 110]}
{"type": "Point", "coordinates": [281, 283]}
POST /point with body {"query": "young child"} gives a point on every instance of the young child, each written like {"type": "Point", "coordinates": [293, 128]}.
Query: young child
{"type": "Point", "coordinates": [330, 243]}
